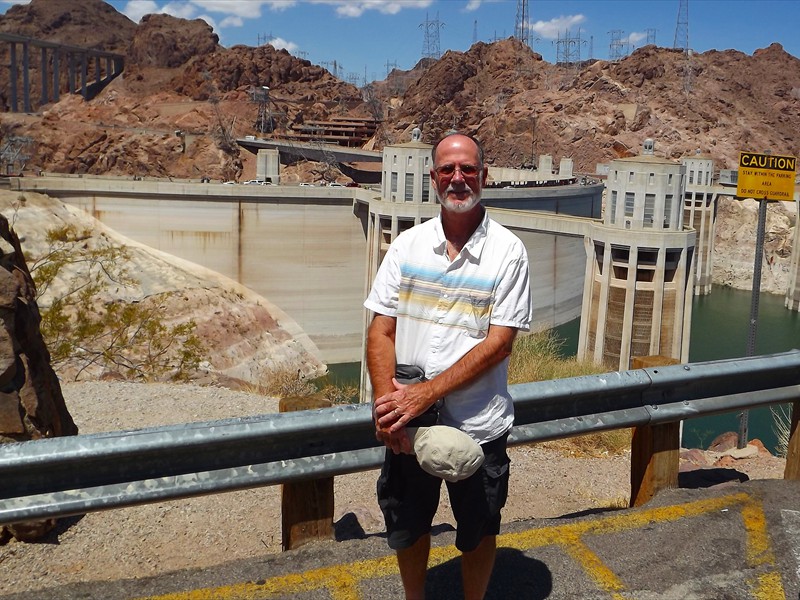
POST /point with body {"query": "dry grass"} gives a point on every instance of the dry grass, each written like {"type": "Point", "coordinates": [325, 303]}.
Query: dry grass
{"type": "Point", "coordinates": [537, 357]}
{"type": "Point", "coordinates": [781, 420]}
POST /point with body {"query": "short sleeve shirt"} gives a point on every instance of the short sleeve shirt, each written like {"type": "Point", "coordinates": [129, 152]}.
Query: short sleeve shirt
{"type": "Point", "coordinates": [444, 309]}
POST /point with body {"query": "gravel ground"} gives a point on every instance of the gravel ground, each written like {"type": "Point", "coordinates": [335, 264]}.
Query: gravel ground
{"type": "Point", "coordinates": [200, 532]}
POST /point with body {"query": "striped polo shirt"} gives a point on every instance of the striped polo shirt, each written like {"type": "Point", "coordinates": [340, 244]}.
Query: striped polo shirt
{"type": "Point", "coordinates": [444, 309]}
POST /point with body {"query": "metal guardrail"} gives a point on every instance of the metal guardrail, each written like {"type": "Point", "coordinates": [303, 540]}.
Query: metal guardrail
{"type": "Point", "coordinates": [78, 474]}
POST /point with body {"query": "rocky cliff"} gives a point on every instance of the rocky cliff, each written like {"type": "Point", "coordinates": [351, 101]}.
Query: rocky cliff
{"type": "Point", "coordinates": [178, 78]}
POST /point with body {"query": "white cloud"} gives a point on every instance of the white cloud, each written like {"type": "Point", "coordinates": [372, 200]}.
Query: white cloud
{"type": "Point", "coordinates": [279, 43]}
{"type": "Point", "coordinates": [551, 29]}
{"type": "Point", "coordinates": [356, 8]}
{"type": "Point", "coordinates": [182, 10]}
{"type": "Point", "coordinates": [232, 21]}
{"type": "Point", "coordinates": [472, 5]}
{"type": "Point", "coordinates": [247, 9]}
{"type": "Point", "coordinates": [636, 37]}
{"type": "Point", "coordinates": [136, 9]}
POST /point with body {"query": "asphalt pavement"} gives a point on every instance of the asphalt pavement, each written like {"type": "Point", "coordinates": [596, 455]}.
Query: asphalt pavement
{"type": "Point", "coordinates": [733, 542]}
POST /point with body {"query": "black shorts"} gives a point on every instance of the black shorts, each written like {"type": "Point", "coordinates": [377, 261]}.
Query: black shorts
{"type": "Point", "coordinates": [409, 498]}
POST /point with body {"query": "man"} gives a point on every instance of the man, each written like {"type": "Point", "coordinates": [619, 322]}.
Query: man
{"type": "Point", "coordinates": [449, 297]}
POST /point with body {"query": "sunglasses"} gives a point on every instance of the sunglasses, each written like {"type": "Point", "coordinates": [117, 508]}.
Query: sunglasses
{"type": "Point", "coordinates": [466, 170]}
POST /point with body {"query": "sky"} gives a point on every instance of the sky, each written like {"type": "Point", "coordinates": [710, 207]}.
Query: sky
{"type": "Point", "coordinates": [364, 39]}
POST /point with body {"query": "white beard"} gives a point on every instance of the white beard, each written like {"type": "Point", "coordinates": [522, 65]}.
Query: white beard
{"type": "Point", "coordinates": [459, 207]}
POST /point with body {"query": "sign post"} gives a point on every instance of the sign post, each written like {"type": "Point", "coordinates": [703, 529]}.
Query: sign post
{"type": "Point", "coordinates": [762, 177]}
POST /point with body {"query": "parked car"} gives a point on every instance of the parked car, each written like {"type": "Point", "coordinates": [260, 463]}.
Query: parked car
{"type": "Point", "coordinates": [257, 182]}
{"type": "Point", "coordinates": [351, 184]}
{"type": "Point", "coordinates": [306, 184]}
{"type": "Point", "coordinates": [335, 184]}
{"type": "Point", "coordinates": [228, 183]}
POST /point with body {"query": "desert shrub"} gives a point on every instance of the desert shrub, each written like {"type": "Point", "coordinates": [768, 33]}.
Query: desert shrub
{"type": "Point", "coordinates": [84, 329]}
{"type": "Point", "coordinates": [285, 382]}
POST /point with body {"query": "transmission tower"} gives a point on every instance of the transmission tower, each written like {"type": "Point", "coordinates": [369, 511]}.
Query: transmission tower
{"type": "Point", "coordinates": [651, 36]}
{"type": "Point", "coordinates": [568, 49]}
{"type": "Point", "coordinates": [390, 66]}
{"type": "Point", "coordinates": [523, 23]}
{"type": "Point", "coordinates": [264, 123]}
{"type": "Point", "coordinates": [475, 31]}
{"type": "Point", "coordinates": [430, 47]}
{"type": "Point", "coordinates": [616, 49]}
{"type": "Point", "coordinates": [335, 67]}
{"type": "Point", "coordinates": [682, 28]}
{"type": "Point", "coordinates": [682, 42]}
{"type": "Point", "coordinates": [263, 40]}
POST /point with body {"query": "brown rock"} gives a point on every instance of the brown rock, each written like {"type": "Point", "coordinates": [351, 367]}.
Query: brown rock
{"type": "Point", "coordinates": [725, 462]}
{"type": "Point", "coordinates": [762, 449]}
{"type": "Point", "coordinates": [31, 403]}
{"type": "Point", "coordinates": [724, 441]}
{"type": "Point", "coordinates": [165, 41]}
{"type": "Point", "coordinates": [692, 458]}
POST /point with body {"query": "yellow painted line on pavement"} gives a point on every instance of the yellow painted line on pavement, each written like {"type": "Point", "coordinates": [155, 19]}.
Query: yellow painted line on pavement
{"type": "Point", "coordinates": [604, 577]}
{"type": "Point", "coordinates": [342, 581]}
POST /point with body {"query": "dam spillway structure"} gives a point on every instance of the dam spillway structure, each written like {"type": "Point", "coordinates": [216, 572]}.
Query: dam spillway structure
{"type": "Point", "coordinates": [637, 298]}
{"type": "Point", "coordinates": [700, 214]}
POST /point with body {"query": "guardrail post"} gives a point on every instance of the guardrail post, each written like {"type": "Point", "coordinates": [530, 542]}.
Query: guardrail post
{"type": "Point", "coordinates": [655, 449]}
{"type": "Point", "coordinates": [306, 506]}
{"type": "Point", "coordinates": [792, 469]}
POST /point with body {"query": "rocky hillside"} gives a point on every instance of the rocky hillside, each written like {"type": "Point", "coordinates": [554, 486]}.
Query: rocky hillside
{"type": "Point", "coordinates": [178, 78]}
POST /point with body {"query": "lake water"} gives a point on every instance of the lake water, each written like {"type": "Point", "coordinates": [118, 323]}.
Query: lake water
{"type": "Point", "coordinates": [720, 324]}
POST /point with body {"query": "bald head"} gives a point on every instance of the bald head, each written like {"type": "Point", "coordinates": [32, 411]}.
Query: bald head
{"type": "Point", "coordinates": [459, 138]}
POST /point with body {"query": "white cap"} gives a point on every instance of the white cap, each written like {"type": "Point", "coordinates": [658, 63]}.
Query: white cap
{"type": "Point", "coordinates": [446, 452]}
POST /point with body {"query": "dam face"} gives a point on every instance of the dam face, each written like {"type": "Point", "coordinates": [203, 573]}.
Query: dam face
{"type": "Point", "coordinates": [305, 249]}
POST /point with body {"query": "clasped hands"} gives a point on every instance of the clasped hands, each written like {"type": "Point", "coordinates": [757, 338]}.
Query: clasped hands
{"type": "Point", "coordinates": [392, 412]}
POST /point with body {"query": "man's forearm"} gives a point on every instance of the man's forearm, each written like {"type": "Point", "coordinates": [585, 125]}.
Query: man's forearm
{"type": "Point", "coordinates": [380, 355]}
{"type": "Point", "coordinates": [490, 352]}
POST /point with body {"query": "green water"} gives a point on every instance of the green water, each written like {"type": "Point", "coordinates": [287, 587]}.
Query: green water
{"type": "Point", "coordinates": [720, 324]}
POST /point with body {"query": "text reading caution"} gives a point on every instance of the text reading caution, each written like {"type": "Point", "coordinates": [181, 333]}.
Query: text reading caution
{"type": "Point", "coordinates": [766, 176]}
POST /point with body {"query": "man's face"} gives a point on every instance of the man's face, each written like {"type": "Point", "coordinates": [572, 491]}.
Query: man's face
{"type": "Point", "coordinates": [458, 174]}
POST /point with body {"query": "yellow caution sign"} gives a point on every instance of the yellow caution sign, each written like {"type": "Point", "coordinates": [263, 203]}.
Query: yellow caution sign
{"type": "Point", "coordinates": [766, 176]}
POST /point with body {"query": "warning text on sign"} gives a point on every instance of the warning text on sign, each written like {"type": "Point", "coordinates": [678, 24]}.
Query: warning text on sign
{"type": "Point", "coordinates": [766, 176]}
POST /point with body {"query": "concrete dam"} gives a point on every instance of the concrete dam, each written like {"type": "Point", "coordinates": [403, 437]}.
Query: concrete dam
{"type": "Point", "coordinates": [305, 248]}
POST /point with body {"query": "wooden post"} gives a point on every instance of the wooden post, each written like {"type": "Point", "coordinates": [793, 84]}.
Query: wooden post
{"type": "Point", "coordinates": [655, 449]}
{"type": "Point", "coordinates": [792, 469]}
{"type": "Point", "coordinates": [306, 506]}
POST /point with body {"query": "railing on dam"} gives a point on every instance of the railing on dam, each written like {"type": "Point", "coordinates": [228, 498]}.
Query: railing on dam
{"type": "Point", "coordinates": [74, 475]}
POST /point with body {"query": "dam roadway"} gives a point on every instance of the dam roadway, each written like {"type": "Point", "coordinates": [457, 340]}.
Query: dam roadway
{"type": "Point", "coordinates": [735, 541]}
